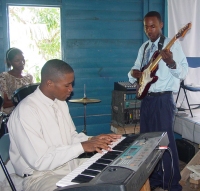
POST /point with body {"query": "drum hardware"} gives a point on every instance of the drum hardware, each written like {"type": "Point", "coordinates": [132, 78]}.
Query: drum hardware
{"type": "Point", "coordinates": [2, 114]}
{"type": "Point", "coordinates": [84, 101]}
{"type": "Point", "coordinates": [1, 101]}
{"type": "Point", "coordinates": [22, 92]}
{"type": "Point", "coordinates": [3, 119]}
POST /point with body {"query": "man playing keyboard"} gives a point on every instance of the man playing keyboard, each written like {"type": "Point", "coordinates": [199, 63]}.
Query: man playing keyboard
{"type": "Point", "coordinates": [44, 143]}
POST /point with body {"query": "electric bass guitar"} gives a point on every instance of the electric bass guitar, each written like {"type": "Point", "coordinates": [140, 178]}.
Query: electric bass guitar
{"type": "Point", "coordinates": [148, 71]}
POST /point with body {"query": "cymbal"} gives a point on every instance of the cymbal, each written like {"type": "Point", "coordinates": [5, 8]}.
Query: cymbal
{"type": "Point", "coordinates": [84, 100]}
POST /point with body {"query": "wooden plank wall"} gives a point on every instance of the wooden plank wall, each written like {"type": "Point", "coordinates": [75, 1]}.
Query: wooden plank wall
{"type": "Point", "coordinates": [100, 40]}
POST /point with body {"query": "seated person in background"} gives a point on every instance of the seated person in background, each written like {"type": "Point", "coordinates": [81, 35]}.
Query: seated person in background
{"type": "Point", "coordinates": [44, 142]}
{"type": "Point", "coordinates": [14, 79]}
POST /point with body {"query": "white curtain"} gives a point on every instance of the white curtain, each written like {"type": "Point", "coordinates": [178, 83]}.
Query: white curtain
{"type": "Point", "coordinates": [181, 12]}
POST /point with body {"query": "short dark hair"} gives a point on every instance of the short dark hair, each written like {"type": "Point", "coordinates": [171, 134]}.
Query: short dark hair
{"type": "Point", "coordinates": [154, 14]}
{"type": "Point", "coordinates": [54, 69]}
{"type": "Point", "coordinates": [11, 53]}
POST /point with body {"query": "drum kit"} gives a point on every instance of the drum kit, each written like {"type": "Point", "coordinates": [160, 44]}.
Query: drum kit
{"type": "Point", "coordinates": [84, 101]}
{"type": "Point", "coordinates": [22, 92]}
{"type": "Point", "coordinates": [17, 96]}
{"type": "Point", "coordinates": [3, 119]}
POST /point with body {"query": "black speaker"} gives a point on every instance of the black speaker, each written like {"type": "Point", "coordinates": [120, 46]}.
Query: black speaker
{"type": "Point", "coordinates": [125, 108]}
{"type": "Point", "coordinates": [186, 150]}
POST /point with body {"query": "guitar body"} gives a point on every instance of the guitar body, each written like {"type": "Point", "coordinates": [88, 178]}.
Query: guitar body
{"type": "Point", "coordinates": [148, 77]}
{"type": "Point", "coordinates": [148, 72]}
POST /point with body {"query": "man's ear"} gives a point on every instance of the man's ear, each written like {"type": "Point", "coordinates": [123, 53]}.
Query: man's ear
{"type": "Point", "coordinates": [161, 25]}
{"type": "Point", "coordinates": [49, 83]}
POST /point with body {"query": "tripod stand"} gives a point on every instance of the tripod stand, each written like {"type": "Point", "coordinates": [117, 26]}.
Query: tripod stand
{"type": "Point", "coordinates": [84, 101]}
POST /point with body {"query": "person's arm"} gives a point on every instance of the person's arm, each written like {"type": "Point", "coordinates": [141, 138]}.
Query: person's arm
{"type": "Point", "coordinates": [3, 85]}
{"type": "Point", "coordinates": [7, 102]}
{"type": "Point", "coordinates": [135, 72]}
{"type": "Point", "coordinates": [176, 61]}
{"type": "Point", "coordinates": [26, 130]}
{"type": "Point", "coordinates": [91, 144]}
{"type": "Point", "coordinates": [42, 146]}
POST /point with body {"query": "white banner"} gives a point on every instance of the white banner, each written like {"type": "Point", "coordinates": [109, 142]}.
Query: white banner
{"type": "Point", "coordinates": [181, 12]}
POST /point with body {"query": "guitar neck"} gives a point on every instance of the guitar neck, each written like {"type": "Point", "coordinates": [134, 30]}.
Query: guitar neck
{"type": "Point", "coordinates": [154, 64]}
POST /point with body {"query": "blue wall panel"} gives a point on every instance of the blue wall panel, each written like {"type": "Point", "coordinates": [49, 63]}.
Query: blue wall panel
{"type": "Point", "coordinates": [2, 29]}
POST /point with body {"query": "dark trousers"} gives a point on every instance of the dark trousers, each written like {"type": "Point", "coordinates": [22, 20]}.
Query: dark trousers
{"type": "Point", "coordinates": [157, 114]}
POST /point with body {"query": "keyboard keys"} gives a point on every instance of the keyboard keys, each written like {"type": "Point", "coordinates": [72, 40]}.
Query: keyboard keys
{"type": "Point", "coordinates": [97, 166]}
{"type": "Point", "coordinates": [103, 161]}
{"type": "Point", "coordinates": [119, 148]}
{"type": "Point", "coordinates": [90, 172]}
{"type": "Point", "coordinates": [109, 156]}
{"type": "Point", "coordinates": [82, 179]}
{"type": "Point", "coordinates": [85, 173]}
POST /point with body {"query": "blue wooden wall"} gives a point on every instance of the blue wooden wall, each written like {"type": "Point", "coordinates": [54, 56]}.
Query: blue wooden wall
{"type": "Point", "coordinates": [100, 40]}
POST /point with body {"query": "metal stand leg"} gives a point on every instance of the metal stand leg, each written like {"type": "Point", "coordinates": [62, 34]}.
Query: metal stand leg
{"type": "Point", "coordinates": [188, 102]}
{"type": "Point", "coordinates": [7, 175]}
{"type": "Point", "coordinates": [84, 130]}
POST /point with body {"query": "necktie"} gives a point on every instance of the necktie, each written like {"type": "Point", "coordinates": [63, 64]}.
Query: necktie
{"type": "Point", "coordinates": [152, 47]}
{"type": "Point", "coordinates": [147, 54]}
{"type": "Point", "coordinates": [57, 114]}
{"type": "Point", "coordinates": [60, 122]}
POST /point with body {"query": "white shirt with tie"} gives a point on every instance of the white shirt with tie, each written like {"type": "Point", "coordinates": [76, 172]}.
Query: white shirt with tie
{"type": "Point", "coordinates": [42, 140]}
{"type": "Point", "coordinates": [168, 79]}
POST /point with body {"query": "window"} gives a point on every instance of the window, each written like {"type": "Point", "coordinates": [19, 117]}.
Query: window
{"type": "Point", "coordinates": [36, 31]}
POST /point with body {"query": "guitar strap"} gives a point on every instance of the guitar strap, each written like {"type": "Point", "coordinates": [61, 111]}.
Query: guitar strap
{"type": "Point", "coordinates": [161, 42]}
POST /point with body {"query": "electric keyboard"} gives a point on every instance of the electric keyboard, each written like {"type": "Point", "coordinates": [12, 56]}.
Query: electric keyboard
{"type": "Point", "coordinates": [125, 168]}
{"type": "Point", "coordinates": [66, 181]}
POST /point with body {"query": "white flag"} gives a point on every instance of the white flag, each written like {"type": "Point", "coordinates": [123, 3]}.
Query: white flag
{"type": "Point", "coordinates": [181, 12]}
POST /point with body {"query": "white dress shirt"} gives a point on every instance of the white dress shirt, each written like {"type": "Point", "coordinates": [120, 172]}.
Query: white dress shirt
{"type": "Point", "coordinates": [42, 139]}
